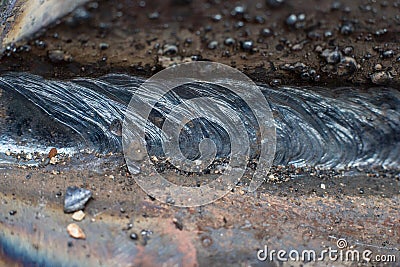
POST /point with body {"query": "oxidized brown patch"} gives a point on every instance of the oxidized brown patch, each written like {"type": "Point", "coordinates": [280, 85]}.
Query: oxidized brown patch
{"type": "Point", "coordinates": [52, 153]}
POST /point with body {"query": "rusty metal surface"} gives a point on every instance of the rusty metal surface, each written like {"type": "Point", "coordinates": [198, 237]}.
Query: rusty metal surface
{"type": "Point", "coordinates": [22, 19]}
{"type": "Point", "coordinates": [292, 215]}
{"type": "Point", "coordinates": [285, 213]}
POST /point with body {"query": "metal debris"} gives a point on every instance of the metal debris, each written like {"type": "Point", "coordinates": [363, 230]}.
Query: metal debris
{"type": "Point", "coordinates": [212, 45]}
{"type": "Point", "coordinates": [76, 198]}
{"type": "Point", "coordinates": [332, 57]}
{"type": "Point", "coordinates": [133, 236]}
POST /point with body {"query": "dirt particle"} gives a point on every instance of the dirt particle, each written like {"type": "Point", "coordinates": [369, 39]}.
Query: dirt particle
{"type": "Point", "coordinates": [75, 231]}
{"type": "Point", "coordinates": [78, 216]}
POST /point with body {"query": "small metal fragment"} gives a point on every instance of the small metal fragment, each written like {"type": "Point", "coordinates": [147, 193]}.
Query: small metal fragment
{"type": "Point", "coordinates": [76, 198]}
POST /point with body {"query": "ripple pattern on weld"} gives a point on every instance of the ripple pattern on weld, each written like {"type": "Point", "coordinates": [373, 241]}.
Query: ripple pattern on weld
{"type": "Point", "coordinates": [342, 127]}
{"type": "Point", "coordinates": [337, 127]}
{"type": "Point", "coordinates": [87, 106]}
